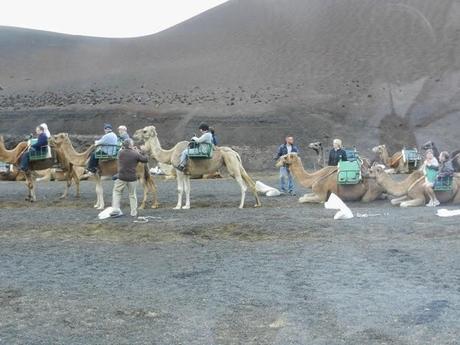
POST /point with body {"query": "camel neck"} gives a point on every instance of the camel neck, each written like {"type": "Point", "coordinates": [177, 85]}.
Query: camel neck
{"type": "Point", "coordinates": [154, 146]}
{"type": "Point", "coordinates": [74, 157]}
{"type": "Point", "coordinates": [398, 188]}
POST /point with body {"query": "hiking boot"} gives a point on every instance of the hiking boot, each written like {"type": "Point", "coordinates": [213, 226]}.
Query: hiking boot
{"type": "Point", "coordinates": [181, 167]}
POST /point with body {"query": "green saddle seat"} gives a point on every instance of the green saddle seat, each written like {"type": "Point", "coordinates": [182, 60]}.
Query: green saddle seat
{"type": "Point", "coordinates": [107, 152]}
{"type": "Point", "coordinates": [200, 151]}
{"type": "Point", "coordinates": [39, 154]}
{"type": "Point", "coordinates": [411, 155]}
{"type": "Point", "coordinates": [352, 154]}
{"type": "Point", "coordinates": [349, 172]}
{"type": "Point", "coordinates": [443, 184]}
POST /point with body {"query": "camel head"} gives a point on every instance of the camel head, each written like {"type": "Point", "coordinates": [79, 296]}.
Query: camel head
{"type": "Point", "coordinates": [376, 171]}
{"type": "Point", "coordinates": [317, 146]}
{"type": "Point", "coordinates": [379, 149]}
{"type": "Point", "coordinates": [288, 159]}
{"type": "Point", "coordinates": [58, 139]}
{"type": "Point", "coordinates": [145, 133]}
{"type": "Point", "coordinates": [428, 145]}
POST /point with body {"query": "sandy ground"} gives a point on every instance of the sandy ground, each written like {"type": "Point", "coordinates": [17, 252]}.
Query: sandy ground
{"type": "Point", "coordinates": [282, 274]}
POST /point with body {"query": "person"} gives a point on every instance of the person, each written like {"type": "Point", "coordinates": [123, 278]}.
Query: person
{"type": "Point", "coordinates": [42, 141]}
{"type": "Point", "coordinates": [446, 170]}
{"type": "Point", "coordinates": [105, 144]}
{"type": "Point", "coordinates": [46, 130]}
{"type": "Point", "coordinates": [286, 179]}
{"type": "Point", "coordinates": [337, 153]}
{"type": "Point", "coordinates": [430, 169]}
{"type": "Point", "coordinates": [214, 138]}
{"type": "Point", "coordinates": [123, 133]}
{"type": "Point", "coordinates": [205, 138]}
{"type": "Point", "coordinates": [127, 177]}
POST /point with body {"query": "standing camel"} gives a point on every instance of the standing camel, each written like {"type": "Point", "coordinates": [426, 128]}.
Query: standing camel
{"type": "Point", "coordinates": [106, 168]}
{"type": "Point", "coordinates": [222, 156]}
{"type": "Point", "coordinates": [13, 156]}
{"type": "Point", "coordinates": [411, 191]}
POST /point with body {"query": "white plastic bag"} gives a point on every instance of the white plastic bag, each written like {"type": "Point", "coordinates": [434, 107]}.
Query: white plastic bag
{"type": "Point", "coordinates": [335, 203]}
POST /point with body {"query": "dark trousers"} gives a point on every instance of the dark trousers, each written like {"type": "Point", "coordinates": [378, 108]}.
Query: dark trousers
{"type": "Point", "coordinates": [93, 162]}
{"type": "Point", "coordinates": [24, 165]}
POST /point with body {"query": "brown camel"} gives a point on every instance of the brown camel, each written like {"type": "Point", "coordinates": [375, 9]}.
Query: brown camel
{"type": "Point", "coordinates": [395, 162]}
{"type": "Point", "coordinates": [411, 191]}
{"type": "Point", "coordinates": [106, 168]}
{"type": "Point", "coordinates": [306, 179]}
{"type": "Point", "coordinates": [324, 182]}
{"type": "Point", "coordinates": [13, 156]}
{"type": "Point", "coordinates": [222, 156]}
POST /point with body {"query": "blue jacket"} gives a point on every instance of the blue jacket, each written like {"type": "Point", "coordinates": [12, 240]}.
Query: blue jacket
{"type": "Point", "coordinates": [282, 150]}
{"type": "Point", "coordinates": [42, 140]}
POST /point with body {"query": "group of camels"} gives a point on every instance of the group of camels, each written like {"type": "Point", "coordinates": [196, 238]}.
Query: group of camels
{"type": "Point", "coordinates": [376, 180]}
{"type": "Point", "coordinates": [69, 159]}
{"type": "Point", "coordinates": [375, 183]}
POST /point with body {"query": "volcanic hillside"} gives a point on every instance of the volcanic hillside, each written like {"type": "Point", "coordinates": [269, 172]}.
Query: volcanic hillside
{"type": "Point", "coordinates": [367, 71]}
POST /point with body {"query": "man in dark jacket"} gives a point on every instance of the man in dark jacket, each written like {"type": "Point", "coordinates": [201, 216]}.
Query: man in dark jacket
{"type": "Point", "coordinates": [42, 141]}
{"type": "Point", "coordinates": [337, 153]}
{"type": "Point", "coordinates": [127, 178]}
{"type": "Point", "coordinates": [286, 180]}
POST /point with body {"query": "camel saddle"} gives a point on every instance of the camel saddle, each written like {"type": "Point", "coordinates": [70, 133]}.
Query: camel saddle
{"type": "Point", "coordinates": [199, 151]}
{"type": "Point", "coordinates": [39, 154]}
{"type": "Point", "coordinates": [349, 172]}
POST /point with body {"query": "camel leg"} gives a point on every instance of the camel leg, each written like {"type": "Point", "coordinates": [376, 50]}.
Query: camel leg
{"type": "Point", "coordinates": [68, 180]}
{"type": "Point", "coordinates": [30, 188]}
{"type": "Point", "coordinates": [180, 189]}
{"type": "Point", "coordinates": [77, 184]}
{"type": "Point", "coordinates": [99, 194]}
{"type": "Point", "coordinates": [413, 202]}
{"type": "Point", "coordinates": [153, 190]}
{"type": "Point", "coordinates": [252, 185]}
{"type": "Point", "coordinates": [187, 192]}
{"type": "Point", "coordinates": [397, 201]}
{"type": "Point", "coordinates": [310, 198]}
{"type": "Point", "coordinates": [145, 190]}
{"type": "Point", "coordinates": [33, 196]}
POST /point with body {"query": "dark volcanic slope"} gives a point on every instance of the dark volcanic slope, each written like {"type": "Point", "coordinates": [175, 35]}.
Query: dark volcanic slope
{"type": "Point", "coordinates": [366, 70]}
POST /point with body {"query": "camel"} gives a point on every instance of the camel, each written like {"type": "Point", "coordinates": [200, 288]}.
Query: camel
{"type": "Point", "coordinates": [395, 163]}
{"type": "Point", "coordinates": [306, 179]}
{"type": "Point", "coordinates": [317, 146]}
{"type": "Point", "coordinates": [324, 182]}
{"type": "Point", "coordinates": [13, 156]}
{"type": "Point", "coordinates": [222, 156]}
{"type": "Point", "coordinates": [106, 168]}
{"type": "Point", "coordinates": [455, 155]}
{"type": "Point", "coordinates": [411, 191]}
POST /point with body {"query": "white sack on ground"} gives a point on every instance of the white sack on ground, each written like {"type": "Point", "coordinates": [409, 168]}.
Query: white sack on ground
{"type": "Point", "coordinates": [106, 213]}
{"type": "Point", "coordinates": [267, 190]}
{"type": "Point", "coordinates": [447, 213]}
{"type": "Point", "coordinates": [335, 203]}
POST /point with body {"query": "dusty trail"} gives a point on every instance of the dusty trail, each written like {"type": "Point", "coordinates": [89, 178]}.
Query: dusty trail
{"type": "Point", "coordinates": [282, 274]}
